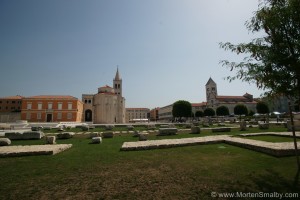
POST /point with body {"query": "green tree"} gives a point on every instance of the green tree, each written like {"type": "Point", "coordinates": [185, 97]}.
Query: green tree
{"type": "Point", "coordinates": [181, 109]}
{"type": "Point", "coordinates": [240, 109]}
{"type": "Point", "coordinates": [272, 61]}
{"type": "Point", "coordinates": [263, 108]}
{"type": "Point", "coordinates": [251, 113]}
{"type": "Point", "coordinates": [222, 111]}
{"type": "Point", "coordinates": [209, 112]}
{"type": "Point", "coordinates": [199, 113]}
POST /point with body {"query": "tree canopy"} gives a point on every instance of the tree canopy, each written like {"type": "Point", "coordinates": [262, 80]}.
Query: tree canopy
{"type": "Point", "coordinates": [222, 111]}
{"type": "Point", "coordinates": [273, 60]}
{"type": "Point", "coordinates": [182, 108]}
{"type": "Point", "coordinates": [262, 108]}
{"type": "Point", "coordinates": [240, 109]}
{"type": "Point", "coordinates": [199, 113]}
{"type": "Point", "coordinates": [209, 112]}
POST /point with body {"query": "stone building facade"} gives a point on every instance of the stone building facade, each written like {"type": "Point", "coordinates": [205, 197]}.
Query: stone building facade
{"type": "Point", "coordinates": [107, 106]}
{"type": "Point", "coordinates": [214, 100]}
{"type": "Point", "coordinates": [137, 114]}
{"type": "Point", "coordinates": [51, 108]}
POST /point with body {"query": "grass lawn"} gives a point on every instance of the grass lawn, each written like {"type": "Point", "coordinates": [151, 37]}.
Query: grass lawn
{"type": "Point", "coordinates": [102, 171]}
{"type": "Point", "coordinates": [268, 138]}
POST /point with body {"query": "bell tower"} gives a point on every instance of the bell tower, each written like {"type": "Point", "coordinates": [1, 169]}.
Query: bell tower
{"type": "Point", "coordinates": [211, 92]}
{"type": "Point", "coordinates": [118, 83]}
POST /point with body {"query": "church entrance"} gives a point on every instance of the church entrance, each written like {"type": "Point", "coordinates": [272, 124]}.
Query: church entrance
{"type": "Point", "coordinates": [88, 115]}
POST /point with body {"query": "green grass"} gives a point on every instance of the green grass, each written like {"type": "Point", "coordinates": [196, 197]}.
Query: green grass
{"type": "Point", "coordinates": [88, 171]}
{"type": "Point", "coordinates": [271, 138]}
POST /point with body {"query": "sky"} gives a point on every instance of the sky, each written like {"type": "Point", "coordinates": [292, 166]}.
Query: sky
{"type": "Point", "coordinates": [165, 50]}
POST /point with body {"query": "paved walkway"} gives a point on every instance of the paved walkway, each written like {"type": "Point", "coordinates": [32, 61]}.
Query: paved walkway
{"type": "Point", "coordinates": [274, 149]}
{"type": "Point", "coordinates": [28, 150]}
{"type": "Point", "coordinates": [287, 134]}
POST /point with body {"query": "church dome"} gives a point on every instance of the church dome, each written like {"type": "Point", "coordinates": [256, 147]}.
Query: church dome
{"type": "Point", "coordinates": [106, 89]}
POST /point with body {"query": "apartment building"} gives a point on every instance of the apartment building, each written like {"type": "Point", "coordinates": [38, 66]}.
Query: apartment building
{"type": "Point", "coordinates": [10, 108]}
{"type": "Point", "coordinates": [154, 114]}
{"type": "Point", "coordinates": [11, 104]}
{"type": "Point", "coordinates": [137, 114]}
{"type": "Point", "coordinates": [51, 108]}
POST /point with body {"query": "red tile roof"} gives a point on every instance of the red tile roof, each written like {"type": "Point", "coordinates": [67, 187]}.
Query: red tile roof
{"type": "Point", "coordinates": [52, 97]}
{"type": "Point", "coordinates": [198, 104]}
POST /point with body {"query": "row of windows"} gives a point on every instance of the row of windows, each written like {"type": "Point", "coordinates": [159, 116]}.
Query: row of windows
{"type": "Point", "coordinates": [117, 86]}
{"type": "Point", "coordinates": [18, 102]}
{"type": "Point", "coordinates": [11, 108]}
{"type": "Point", "coordinates": [49, 106]}
{"type": "Point", "coordinates": [89, 101]}
{"type": "Point", "coordinates": [39, 115]}
{"type": "Point", "coordinates": [165, 114]}
{"type": "Point", "coordinates": [136, 111]}
{"type": "Point", "coordinates": [136, 115]}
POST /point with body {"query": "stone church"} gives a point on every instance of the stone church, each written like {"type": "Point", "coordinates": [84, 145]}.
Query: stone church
{"type": "Point", "coordinates": [107, 106]}
{"type": "Point", "coordinates": [214, 100]}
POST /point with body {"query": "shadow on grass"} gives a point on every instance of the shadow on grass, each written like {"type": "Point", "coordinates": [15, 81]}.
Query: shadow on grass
{"type": "Point", "coordinates": [273, 182]}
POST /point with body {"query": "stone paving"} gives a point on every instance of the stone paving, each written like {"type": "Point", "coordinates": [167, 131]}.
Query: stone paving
{"type": "Point", "coordinates": [287, 134]}
{"type": "Point", "coordinates": [29, 150]}
{"type": "Point", "coordinates": [274, 149]}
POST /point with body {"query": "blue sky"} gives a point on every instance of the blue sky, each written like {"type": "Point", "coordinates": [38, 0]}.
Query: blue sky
{"type": "Point", "coordinates": [166, 50]}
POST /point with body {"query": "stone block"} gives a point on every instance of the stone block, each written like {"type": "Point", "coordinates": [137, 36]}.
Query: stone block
{"type": "Point", "coordinates": [108, 134]}
{"type": "Point", "coordinates": [167, 131]}
{"type": "Point", "coordinates": [31, 135]}
{"type": "Point", "coordinates": [94, 134]}
{"type": "Point", "coordinates": [96, 140]}
{"type": "Point", "coordinates": [143, 136]}
{"type": "Point", "coordinates": [14, 135]}
{"type": "Point", "coordinates": [151, 126]}
{"type": "Point", "coordinates": [136, 134]}
{"type": "Point", "coordinates": [243, 126]}
{"type": "Point", "coordinates": [5, 142]}
{"type": "Point", "coordinates": [263, 126]}
{"type": "Point", "coordinates": [84, 128]}
{"type": "Point", "coordinates": [205, 125]}
{"type": "Point", "coordinates": [50, 140]}
{"type": "Point", "coordinates": [130, 127]}
{"type": "Point", "coordinates": [109, 127]}
{"type": "Point", "coordinates": [195, 130]}
{"type": "Point", "coordinates": [28, 135]}
{"type": "Point", "coordinates": [188, 126]}
{"type": "Point", "coordinates": [65, 135]}
{"type": "Point", "coordinates": [171, 126]}
{"type": "Point", "coordinates": [296, 125]}
{"type": "Point", "coordinates": [196, 123]}
{"type": "Point", "coordinates": [36, 128]}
